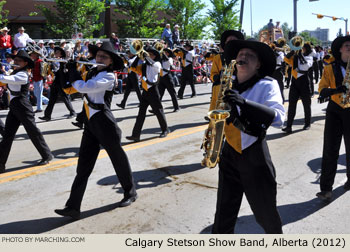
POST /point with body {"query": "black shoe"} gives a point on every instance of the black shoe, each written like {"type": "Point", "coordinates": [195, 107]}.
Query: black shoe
{"type": "Point", "coordinates": [121, 105]}
{"type": "Point", "coordinates": [133, 138]}
{"type": "Point", "coordinates": [151, 111]}
{"type": "Point", "coordinates": [127, 201]}
{"type": "Point", "coordinates": [324, 195]}
{"type": "Point", "coordinates": [176, 110]}
{"type": "Point", "coordinates": [45, 118]}
{"type": "Point", "coordinates": [78, 124]}
{"type": "Point", "coordinates": [164, 133]}
{"type": "Point", "coordinates": [346, 185]}
{"type": "Point", "coordinates": [2, 168]}
{"type": "Point", "coordinates": [70, 212]}
{"type": "Point", "coordinates": [288, 130]}
{"type": "Point", "coordinates": [38, 111]}
{"type": "Point", "coordinates": [45, 161]}
{"type": "Point", "coordinates": [193, 95]}
{"type": "Point", "coordinates": [306, 127]}
{"type": "Point", "coordinates": [179, 97]}
{"type": "Point", "coordinates": [207, 118]}
{"type": "Point", "coordinates": [72, 115]}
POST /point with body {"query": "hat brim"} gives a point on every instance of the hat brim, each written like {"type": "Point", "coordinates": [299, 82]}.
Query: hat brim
{"type": "Point", "coordinates": [171, 53]}
{"type": "Point", "coordinates": [336, 45]}
{"type": "Point", "coordinates": [29, 60]}
{"type": "Point", "coordinates": [229, 33]}
{"type": "Point", "coordinates": [155, 52]}
{"type": "Point", "coordinates": [265, 53]}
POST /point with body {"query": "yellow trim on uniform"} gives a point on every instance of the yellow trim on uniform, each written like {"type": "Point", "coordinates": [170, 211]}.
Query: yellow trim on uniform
{"type": "Point", "coordinates": [233, 137]}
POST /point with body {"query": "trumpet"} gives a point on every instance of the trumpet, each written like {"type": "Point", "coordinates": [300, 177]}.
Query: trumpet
{"type": "Point", "coordinates": [78, 62]}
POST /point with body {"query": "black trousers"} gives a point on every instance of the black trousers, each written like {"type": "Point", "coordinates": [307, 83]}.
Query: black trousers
{"type": "Point", "coordinates": [186, 77]}
{"type": "Point", "coordinates": [2, 127]}
{"type": "Point", "coordinates": [337, 125]}
{"type": "Point", "coordinates": [289, 76]}
{"type": "Point", "coordinates": [21, 112]}
{"type": "Point", "coordinates": [320, 67]}
{"type": "Point", "coordinates": [299, 89]}
{"type": "Point", "coordinates": [102, 130]}
{"type": "Point", "coordinates": [253, 174]}
{"type": "Point", "coordinates": [152, 98]}
{"type": "Point", "coordinates": [131, 83]}
{"type": "Point", "coordinates": [316, 70]}
{"type": "Point", "coordinates": [166, 82]}
{"type": "Point", "coordinates": [278, 75]}
{"type": "Point", "coordinates": [54, 92]}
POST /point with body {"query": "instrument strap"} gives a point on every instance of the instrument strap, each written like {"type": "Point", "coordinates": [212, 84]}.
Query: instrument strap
{"type": "Point", "coordinates": [338, 75]}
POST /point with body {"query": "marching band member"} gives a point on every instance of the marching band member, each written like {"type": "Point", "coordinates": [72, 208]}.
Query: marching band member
{"type": "Point", "coordinates": [132, 82]}
{"type": "Point", "coordinates": [245, 164]}
{"type": "Point", "coordinates": [301, 62]}
{"type": "Point", "coordinates": [166, 80]}
{"type": "Point", "coordinates": [21, 111]}
{"type": "Point", "coordinates": [56, 87]}
{"type": "Point", "coordinates": [337, 123]}
{"type": "Point", "coordinates": [278, 73]}
{"type": "Point", "coordinates": [187, 55]}
{"type": "Point", "coordinates": [219, 63]}
{"type": "Point", "coordinates": [100, 129]}
{"type": "Point", "coordinates": [150, 71]}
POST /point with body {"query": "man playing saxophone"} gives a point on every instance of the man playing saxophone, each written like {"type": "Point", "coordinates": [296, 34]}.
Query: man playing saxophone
{"type": "Point", "coordinates": [337, 123]}
{"type": "Point", "coordinates": [245, 164]}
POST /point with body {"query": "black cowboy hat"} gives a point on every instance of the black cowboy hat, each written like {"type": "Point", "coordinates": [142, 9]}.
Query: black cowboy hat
{"type": "Point", "coordinates": [63, 53]}
{"type": "Point", "coordinates": [229, 33]}
{"type": "Point", "coordinates": [171, 53]}
{"type": "Point", "coordinates": [24, 55]}
{"type": "Point", "coordinates": [336, 44]}
{"type": "Point", "coordinates": [154, 51]}
{"type": "Point", "coordinates": [266, 55]}
{"type": "Point", "coordinates": [107, 47]}
{"type": "Point", "coordinates": [188, 43]}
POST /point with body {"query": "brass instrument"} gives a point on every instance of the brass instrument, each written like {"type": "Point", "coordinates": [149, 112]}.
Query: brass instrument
{"type": "Point", "coordinates": [159, 47]}
{"type": "Point", "coordinates": [346, 82]}
{"type": "Point", "coordinates": [9, 64]}
{"type": "Point", "coordinates": [136, 48]}
{"type": "Point", "coordinates": [78, 62]}
{"type": "Point", "coordinates": [296, 43]}
{"type": "Point", "coordinates": [213, 136]}
{"type": "Point", "coordinates": [44, 69]}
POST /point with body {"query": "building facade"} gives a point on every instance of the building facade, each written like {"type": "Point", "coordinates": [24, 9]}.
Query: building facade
{"type": "Point", "coordinates": [321, 34]}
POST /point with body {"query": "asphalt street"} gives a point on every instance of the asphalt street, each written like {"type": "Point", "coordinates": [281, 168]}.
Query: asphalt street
{"type": "Point", "coordinates": [176, 194]}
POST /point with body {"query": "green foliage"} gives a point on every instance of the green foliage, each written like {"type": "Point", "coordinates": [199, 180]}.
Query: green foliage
{"type": "Point", "coordinates": [65, 13]}
{"type": "Point", "coordinates": [286, 30]}
{"type": "Point", "coordinates": [223, 16]}
{"type": "Point", "coordinates": [187, 14]}
{"type": "Point", "coordinates": [139, 18]}
{"type": "Point", "coordinates": [307, 37]}
{"type": "Point", "coordinates": [3, 14]}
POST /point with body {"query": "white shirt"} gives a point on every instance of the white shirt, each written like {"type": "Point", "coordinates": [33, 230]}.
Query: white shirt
{"type": "Point", "coordinates": [152, 72]}
{"type": "Point", "coordinates": [304, 67]}
{"type": "Point", "coordinates": [279, 59]}
{"type": "Point", "coordinates": [21, 40]}
{"type": "Point", "coordinates": [166, 65]}
{"type": "Point", "coordinates": [15, 81]}
{"type": "Point", "coordinates": [267, 92]}
{"type": "Point", "coordinates": [189, 57]}
{"type": "Point", "coordinates": [95, 88]}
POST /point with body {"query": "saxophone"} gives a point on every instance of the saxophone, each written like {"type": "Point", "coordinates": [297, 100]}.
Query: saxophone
{"type": "Point", "coordinates": [346, 82]}
{"type": "Point", "coordinates": [214, 135]}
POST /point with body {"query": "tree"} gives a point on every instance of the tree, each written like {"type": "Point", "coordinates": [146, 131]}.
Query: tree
{"type": "Point", "coordinates": [223, 16]}
{"type": "Point", "coordinates": [139, 18]}
{"type": "Point", "coordinates": [187, 14]}
{"type": "Point", "coordinates": [307, 37]}
{"type": "Point", "coordinates": [62, 18]}
{"type": "Point", "coordinates": [286, 30]}
{"type": "Point", "coordinates": [3, 14]}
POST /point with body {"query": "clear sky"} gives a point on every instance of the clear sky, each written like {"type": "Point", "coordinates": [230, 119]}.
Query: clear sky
{"type": "Point", "coordinates": [282, 10]}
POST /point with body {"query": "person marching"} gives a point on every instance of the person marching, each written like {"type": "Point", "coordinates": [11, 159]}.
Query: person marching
{"type": "Point", "coordinates": [187, 56]}
{"type": "Point", "coordinates": [167, 80]}
{"type": "Point", "coordinates": [219, 63]}
{"type": "Point", "coordinates": [100, 129]}
{"type": "Point", "coordinates": [21, 111]}
{"type": "Point", "coordinates": [150, 71]}
{"type": "Point", "coordinates": [245, 164]}
{"type": "Point", "coordinates": [337, 124]}
{"type": "Point", "coordinates": [132, 82]}
{"type": "Point", "coordinates": [301, 62]}
{"type": "Point", "coordinates": [57, 85]}
{"type": "Point", "coordinates": [278, 73]}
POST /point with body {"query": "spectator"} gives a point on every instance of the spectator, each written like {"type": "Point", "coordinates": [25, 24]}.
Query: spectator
{"type": "Point", "coordinates": [270, 27]}
{"type": "Point", "coordinates": [115, 41]}
{"type": "Point", "coordinates": [176, 35]}
{"type": "Point", "coordinates": [6, 43]}
{"type": "Point", "coordinates": [51, 49]}
{"type": "Point", "coordinates": [21, 39]}
{"type": "Point", "coordinates": [167, 36]}
{"type": "Point", "coordinates": [43, 50]}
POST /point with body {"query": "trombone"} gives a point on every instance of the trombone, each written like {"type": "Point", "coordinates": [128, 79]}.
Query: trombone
{"type": "Point", "coordinates": [78, 62]}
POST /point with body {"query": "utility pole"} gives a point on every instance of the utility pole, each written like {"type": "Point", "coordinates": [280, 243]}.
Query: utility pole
{"type": "Point", "coordinates": [295, 15]}
{"type": "Point", "coordinates": [241, 15]}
